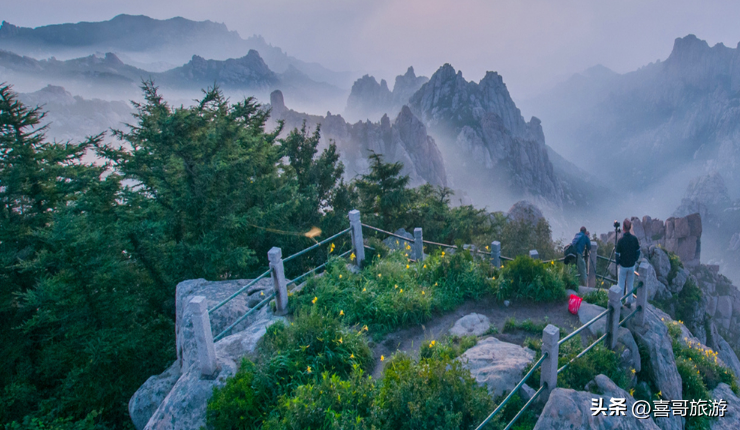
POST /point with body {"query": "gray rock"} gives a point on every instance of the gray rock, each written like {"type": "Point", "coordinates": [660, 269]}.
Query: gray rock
{"type": "Point", "coordinates": [526, 392]}
{"type": "Point", "coordinates": [497, 365]}
{"type": "Point", "coordinates": [676, 285]}
{"type": "Point", "coordinates": [184, 408]}
{"type": "Point", "coordinates": [731, 420]}
{"type": "Point", "coordinates": [653, 336]}
{"type": "Point", "coordinates": [656, 289]}
{"type": "Point", "coordinates": [724, 307]}
{"type": "Point", "coordinates": [711, 305]}
{"type": "Point", "coordinates": [728, 356]}
{"type": "Point", "coordinates": [396, 244]}
{"type": "Point", "coordinates": [150, 395]}
{"type": "Point", "coordinates": [471, 325]}
{"type": "Point", "coordinates": [589, 311]}
{"type": "Point", "coordinates": [215, 292]}
{"type": "Point", "coordinates": [660, 261]}
{"type": "Point", "coordinates": [571, 410]}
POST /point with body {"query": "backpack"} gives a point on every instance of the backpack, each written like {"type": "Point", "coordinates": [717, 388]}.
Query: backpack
{"type": "Point", "coordinates": [570, 254]}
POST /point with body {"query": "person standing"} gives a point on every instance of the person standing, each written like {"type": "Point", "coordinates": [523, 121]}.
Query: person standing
{"type": "Point", "coordinates": [627, 253]}
{"type": "Point", "coordinates": [581, 243]}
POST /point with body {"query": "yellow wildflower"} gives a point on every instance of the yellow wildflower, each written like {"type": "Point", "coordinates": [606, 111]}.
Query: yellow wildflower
{"type": "Point", "coordinates": [340, 276]}
{"type": "Point", "coordinates": [632, 391]}
{"type": "Point", "coordinates": [314, 300]}
{"type": "Point", "coordinates": [395, 286]}
{"type": "Point", "coordinates": [308, 369]}
{"type": "Point", "coordinates": [341, 312]}
{"type": "Point", "coordinates": [340, 340]}
{"type": "Point", "coordinates": [331, 248]}
{"type": "Point", "coordinates": [364, 327]}
{"type": "Point", "coordinates": [407, 266]}
{"type": "Point", "coordinates": [422, 292]}
{"type": "Point", "coordinates": [352, 356]}
{"type": "Point", "coordinates": [633, 371]}
{"type": "Point", "coordinates": [364, 289]}
{"type": "Point", "coordinates": [352, 256]}
{"type": "Point", "coordinates": [425, 266]}
{"type": "Point", "coordinates": [382, 358]}
{"type": "Point", "coordinates": [401, 291]}
{"type": "Point", "coordinates": [380, 275]}
{"type": "Point", "coordinates": [443, 253]}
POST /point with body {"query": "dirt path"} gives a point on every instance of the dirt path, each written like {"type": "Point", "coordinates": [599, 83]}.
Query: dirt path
{"type": "Point", "coordinates": [409, 340]}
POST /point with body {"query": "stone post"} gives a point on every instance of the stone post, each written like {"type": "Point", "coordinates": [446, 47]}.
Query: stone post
{"type": "Point", "coordinates": [534, 254]}
{"type": "Point", "coordinates": [198, 305]}
{"type": "Point", "coordinates": [357, 243]}
{"type": "Point", "coordinates": [612, 318]}
{"type": "Point", "coordinates": [275, 255]}
{"type": "Point", "coordinates": [549, 368]}
{"type": "Point", "coordinates": [642, 293]}
{"type": "Point", "coordinates": [496, 253]}
{"type": "Point", "coordinates": [418, 244]}
{"type": "Point", "coordinates": [592, 258]}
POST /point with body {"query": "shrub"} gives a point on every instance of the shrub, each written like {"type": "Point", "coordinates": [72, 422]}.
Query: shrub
{"type": "Point", "coordinates": [685, 301]}
{"type": "Point", "coordinates": [290, 356]}
{"type": "Point", "coordinates": [447, 348]}
{"type": "Point", "coordinates": [394, 292]}
{"type": "Point", "coordinates": [525, 278]}
{"type": "Point", "coordinates": [598, 297]}
{"type": "Point", "coordinates": [676, 264]}
{"type": "Point", "coordinates": [329, 403]}
{"type": "Point", "coordinates": [527, 325]}
{"type": "Point", "coordinates": [430, 394]}
{"type": "Point", "coordinates": [599, 360]}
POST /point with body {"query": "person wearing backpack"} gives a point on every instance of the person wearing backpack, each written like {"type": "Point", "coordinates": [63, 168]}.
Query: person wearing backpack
{"type": "Point", "coordinates": [581, 243]}
{"type": "Point", "coordinates": [627, 253]}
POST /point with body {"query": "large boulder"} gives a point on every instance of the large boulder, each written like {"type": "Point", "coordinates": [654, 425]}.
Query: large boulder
{"type": "Point", "coordinates": [497, 365]}
{"type": "Point", "coordinates": [653, 336]}
{"type": "Point", "coordinates": [731, 420]}
{"type": "Point", "coordinates": [571, 410]}
{"type": "Point", "coordinates": [150, 395]}
{"type": "Point", "coordinates": [471, 325]}
{"type": "Point", "coordinates": [184, 408]}
{"type": "Point", "coordinates": [660, 261]}
{"type": "Point", "coordinates": [655, 287]}
{"type": "Point", "coordinates": [214, 292]}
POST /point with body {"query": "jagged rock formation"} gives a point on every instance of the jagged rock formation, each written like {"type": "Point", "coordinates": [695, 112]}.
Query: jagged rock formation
{"type": "Point", "coordinates": [485, 138]}
{"type": "Point", "coordinates": [405, 140]}
{"type": "Point", "coordinates": [370, 99]}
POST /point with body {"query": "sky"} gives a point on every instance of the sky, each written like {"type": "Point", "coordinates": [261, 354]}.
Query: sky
{"type": "Point", "coordinates": [533, 44]}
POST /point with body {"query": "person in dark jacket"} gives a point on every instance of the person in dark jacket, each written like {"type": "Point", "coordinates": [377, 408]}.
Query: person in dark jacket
{"type": "Point", "coordinates": [581, 243]}
{"type": "Point", "coordinates": [627, 252]}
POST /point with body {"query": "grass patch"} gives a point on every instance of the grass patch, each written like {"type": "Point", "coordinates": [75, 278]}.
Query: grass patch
{"type": "Point", "coordinates": [447, 348]}
{"type": "Point", "coordinates": [528, 279]}
{"type": "Point", "coordinates": [598, 297]}
{"type": "Point", "coordinates": [527, 325]}
{"type": "Point", "coordinates": [393, 292]}
{"type": "Point", "coordinates": [599, 360]}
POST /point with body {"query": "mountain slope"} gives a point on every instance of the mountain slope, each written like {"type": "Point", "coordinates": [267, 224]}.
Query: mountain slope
{"type": "Point", "coordinates": [486, 142]}
{"type": "Point", "coordinates": [370, 99]}
{"type": "Point", "coordinates": [646, 126]}
{"type": "Point", "coordinates": [148, 40]}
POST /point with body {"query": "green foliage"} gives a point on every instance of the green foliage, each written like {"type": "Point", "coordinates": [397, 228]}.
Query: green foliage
{"type": "Point", "coordinates": [598, 297]}
{"type": "Point", "coordinates": [676, 264]}
{"type": "Point", "coordinates": [527, 325]}
{"type": "Point", "coordinates": [528, 279]}
{"type": "Point", "coordinates": [290, 356]}
{"type": "Point", "coordinates": [599, 360]}
{"type": "Point", "coordinates": [518, 237]}
{"type": "Point", "coordinates": [447, 348]}
{"type": "Point", "coordinates": [432, 394]}
{"type": "Point", "coordinates": [329, 403]}
{"type": "Point", "coordinates": [394, 292]}
{"type": "Point", "coordinates": [685, 301]}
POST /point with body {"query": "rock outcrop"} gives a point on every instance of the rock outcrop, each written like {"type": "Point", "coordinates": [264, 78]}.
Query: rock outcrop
{"type": "Point", "coordinates": [486, 137]}
{"type": "Point", "coordinates": [571, 410]}
{"type": "Point", "coordinates": [177, 398]}
{"type": "Point", "coordinates": [731, 420]}
{"type": "Point", "coordinates": [471, 325]}
{"type": "Point", "coordinates": [404, 140]}
{"type": "Point", "coordinates": [497, 365]}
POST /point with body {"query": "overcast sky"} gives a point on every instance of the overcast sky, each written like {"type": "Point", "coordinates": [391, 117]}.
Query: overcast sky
{"type": "Point", "coordinates": [532, 43]}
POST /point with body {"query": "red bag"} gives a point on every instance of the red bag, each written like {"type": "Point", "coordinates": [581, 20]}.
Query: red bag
{"type": "Point", "coordinates": [574, 303]}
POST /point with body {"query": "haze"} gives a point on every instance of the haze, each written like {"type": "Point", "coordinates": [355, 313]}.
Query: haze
{"type": "Point", "coordinates": [533, 44]}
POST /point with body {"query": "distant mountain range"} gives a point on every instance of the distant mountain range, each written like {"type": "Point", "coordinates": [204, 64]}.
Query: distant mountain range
{"type": "Point", "coordinates": [649, 125]}
{"type": "Point", "coordinates": [144, 40]}
{"type": "Point", "coordinates": [108, 75]}
{"type": "Point", "coordinates": [370, 99]}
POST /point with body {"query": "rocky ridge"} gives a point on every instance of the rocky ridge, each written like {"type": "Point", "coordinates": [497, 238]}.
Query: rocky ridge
{"type": "Point", "coordinates": [370, 99]}
{"type": "Point", "coordinates": [404, 140]}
